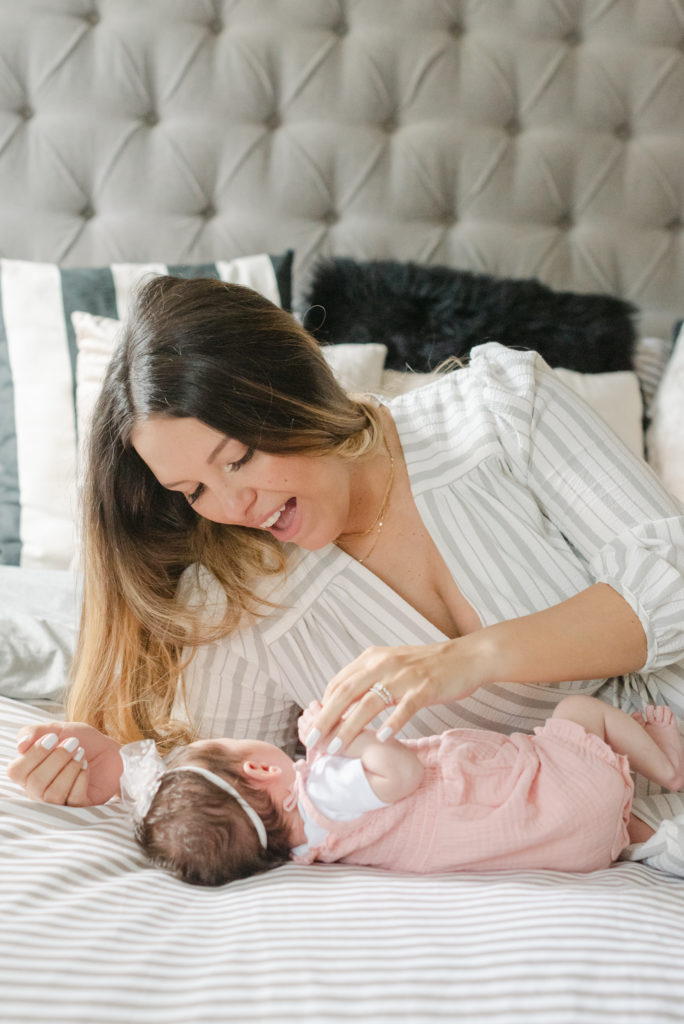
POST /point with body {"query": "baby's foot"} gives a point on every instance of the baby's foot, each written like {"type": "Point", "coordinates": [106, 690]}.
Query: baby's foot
{"type": "Point", "coordinates": [661, 725]}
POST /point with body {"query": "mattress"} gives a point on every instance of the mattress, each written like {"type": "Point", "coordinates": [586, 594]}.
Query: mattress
{"type": "Point", "coordinates": [93, 935]}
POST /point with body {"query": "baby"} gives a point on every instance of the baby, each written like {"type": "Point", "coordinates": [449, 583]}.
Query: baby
{"type": "Point", "coordinates": [560, 799]}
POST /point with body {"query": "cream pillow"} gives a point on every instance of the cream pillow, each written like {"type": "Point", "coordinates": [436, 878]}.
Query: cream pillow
{"type": "Point", "coordinates": [96, 338]}
{"type": "Point", "coordinates": [358, 367]}
{"type": "Point", "coordinates": [665, 439]}
{"type": "Point", "coordinates": [616, 397]}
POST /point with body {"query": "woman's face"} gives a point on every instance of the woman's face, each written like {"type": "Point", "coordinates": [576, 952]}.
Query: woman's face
{"type": "Point", "coordinates": [300, 499]}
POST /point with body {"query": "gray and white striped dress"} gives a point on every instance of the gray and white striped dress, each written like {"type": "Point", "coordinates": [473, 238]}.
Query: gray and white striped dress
{"type": "Point", "coordinates": [530, 499]}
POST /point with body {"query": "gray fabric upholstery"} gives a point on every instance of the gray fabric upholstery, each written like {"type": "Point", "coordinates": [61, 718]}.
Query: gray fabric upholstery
{"type": "Point", "coordinates": [516, 137]}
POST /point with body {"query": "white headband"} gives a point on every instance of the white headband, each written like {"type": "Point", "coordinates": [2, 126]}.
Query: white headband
{"type": "Point", "coordinates": [142, 775]}
{"type": "Point", "coordinates": [227, 788]}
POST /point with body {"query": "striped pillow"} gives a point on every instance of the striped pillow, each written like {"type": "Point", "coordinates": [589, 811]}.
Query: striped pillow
{"type": "Point", "coordinates": [38, 386]}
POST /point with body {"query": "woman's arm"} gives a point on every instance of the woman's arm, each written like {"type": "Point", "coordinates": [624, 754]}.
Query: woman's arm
{"type": "Point", "coordinates": [51, 770]}
{"type": "Point", "coordinates": [626, 529]}
{"type": "Point", "coordinates": [593, 635]}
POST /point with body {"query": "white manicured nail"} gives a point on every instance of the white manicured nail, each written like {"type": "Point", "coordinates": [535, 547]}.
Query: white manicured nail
{"type": "Point", "coordinates": [49, 741]}
{"type": "Point", "coordinates": [71, 745]}
{"type": "Point", "coordinates": [84, 765]}
{"type": "Point", "coordinates": [312, 738]}
{"type": "Point", "coordinates": [23, 742]}
{"type": "Point", "coordinates": [79, 754]}
{"type": "Point", "coordinates": [335, 745]}
{"type": "Point", "coordinates": [384, 734]}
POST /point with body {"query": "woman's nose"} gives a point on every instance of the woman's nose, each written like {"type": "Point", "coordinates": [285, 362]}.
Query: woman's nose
{"type": "Point", "coordinates": [237, 503]}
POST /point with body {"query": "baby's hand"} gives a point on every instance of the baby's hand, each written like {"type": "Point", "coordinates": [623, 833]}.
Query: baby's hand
{"type": "Point", "coordinates": [305, 719]}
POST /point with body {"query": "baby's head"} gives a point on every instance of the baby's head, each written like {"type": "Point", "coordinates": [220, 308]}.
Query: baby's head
{"type": "Point", "coordinates": [200, 831]}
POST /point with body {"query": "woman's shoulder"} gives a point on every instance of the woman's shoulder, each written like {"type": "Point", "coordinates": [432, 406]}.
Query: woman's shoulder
{"type": "Point", "coordinates": [513, 371]}
{"type": "Point", "coordinates": [494, 380]}
{"type": "Point", "coordinates": [490, 368]}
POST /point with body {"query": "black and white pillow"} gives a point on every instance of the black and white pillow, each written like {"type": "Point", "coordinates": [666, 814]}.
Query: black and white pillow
{"type": "Point", "coordinates": [38, 385]}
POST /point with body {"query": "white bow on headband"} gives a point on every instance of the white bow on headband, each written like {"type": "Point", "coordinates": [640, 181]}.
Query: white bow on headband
{"type": "Point", "coordinates": [143, 771]}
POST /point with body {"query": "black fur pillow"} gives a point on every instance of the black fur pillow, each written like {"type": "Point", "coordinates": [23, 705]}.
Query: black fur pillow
{"type": "Point", "coordinates": [425, 313]}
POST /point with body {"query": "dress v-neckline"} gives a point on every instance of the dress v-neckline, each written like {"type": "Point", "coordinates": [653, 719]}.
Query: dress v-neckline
{"type": "Point", "coordinates": [423, 624]}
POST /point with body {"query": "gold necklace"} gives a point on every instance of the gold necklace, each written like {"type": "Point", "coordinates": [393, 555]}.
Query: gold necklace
{"type": "Point", "coordinates": [378, 522]}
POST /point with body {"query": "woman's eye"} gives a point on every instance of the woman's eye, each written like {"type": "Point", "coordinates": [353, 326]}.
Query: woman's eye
{"type": "Point", "coordinates": [233, 466]}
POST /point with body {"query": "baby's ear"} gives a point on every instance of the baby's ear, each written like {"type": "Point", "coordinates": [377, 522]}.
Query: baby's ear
{"type": "Point", "coordinates": [261, 771]}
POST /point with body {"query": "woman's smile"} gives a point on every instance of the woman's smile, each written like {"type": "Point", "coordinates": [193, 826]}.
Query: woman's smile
{"type": "Point", "coordinates": [284, 521]}
{"type": "Point", "coordinates": [302, 499]}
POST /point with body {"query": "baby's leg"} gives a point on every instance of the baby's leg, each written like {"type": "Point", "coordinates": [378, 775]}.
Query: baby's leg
{"type": "Point", "coordinates": [626, 735]}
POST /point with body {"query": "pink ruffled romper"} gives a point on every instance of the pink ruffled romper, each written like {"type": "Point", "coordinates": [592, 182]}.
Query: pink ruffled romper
{"type": "Point", "coordinates": [559, 799]}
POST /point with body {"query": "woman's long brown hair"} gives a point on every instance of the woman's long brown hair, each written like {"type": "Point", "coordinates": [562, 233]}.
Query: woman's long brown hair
{"type": "Point", "coordinates": [224, 355]}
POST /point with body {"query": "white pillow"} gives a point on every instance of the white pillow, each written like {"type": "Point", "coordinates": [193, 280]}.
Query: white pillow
{"type": "Point", "coordinates": [665, 441]}
{"type": "Point", "coordinates": [616, 397]}
{"type": "Point", "coordinates": [357, 367]}
{"type": "Point", "coordinates": [96, 338]}
{"type": "Point", "coordinates": [39, 615]}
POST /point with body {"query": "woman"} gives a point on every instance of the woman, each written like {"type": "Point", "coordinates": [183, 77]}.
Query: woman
{"type": "Point", "coordinates": [471, 553]}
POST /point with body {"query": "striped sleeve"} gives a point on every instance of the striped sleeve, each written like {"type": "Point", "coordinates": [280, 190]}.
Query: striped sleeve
{"type": "Point", "coordinates": [232, 687]}
{"type": "Point", "coordinates": [227, 693]}
{"type": "Point", "coordinates": [604, 500]}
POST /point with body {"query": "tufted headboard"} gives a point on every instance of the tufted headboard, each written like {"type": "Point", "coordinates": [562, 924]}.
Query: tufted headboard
{"type": "Point", "coordinates": [524, 138]}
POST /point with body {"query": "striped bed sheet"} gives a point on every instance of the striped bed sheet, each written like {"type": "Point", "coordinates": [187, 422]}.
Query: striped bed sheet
{"type": "Point", "coordinates": [92, 935]}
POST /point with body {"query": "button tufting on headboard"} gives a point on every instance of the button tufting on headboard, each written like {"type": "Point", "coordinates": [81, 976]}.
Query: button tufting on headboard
{"type": "Point", "coordinates": [391, 114]}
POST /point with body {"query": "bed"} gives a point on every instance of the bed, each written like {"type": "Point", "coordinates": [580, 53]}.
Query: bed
{"type": "Point", "coordinates": [427, 148]}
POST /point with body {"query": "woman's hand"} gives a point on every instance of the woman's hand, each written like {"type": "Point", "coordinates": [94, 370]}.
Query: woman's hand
{"type": "Point", "coordinates": [67, 763]}
{"type": "Point", "coordinates": [412, 677]}
{"type": "Point", "coordinates": [305, 720]}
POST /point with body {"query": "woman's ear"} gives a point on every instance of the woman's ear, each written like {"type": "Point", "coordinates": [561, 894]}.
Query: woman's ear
{"type": "Point", "coordinates": [260, 771]}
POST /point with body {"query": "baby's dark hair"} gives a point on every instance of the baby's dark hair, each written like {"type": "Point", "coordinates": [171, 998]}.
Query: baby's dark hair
{"type": "Point", "coordinates": [200, 833]}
